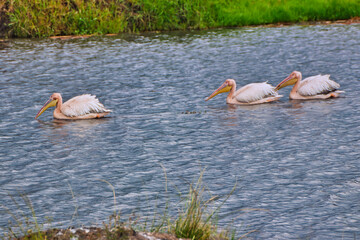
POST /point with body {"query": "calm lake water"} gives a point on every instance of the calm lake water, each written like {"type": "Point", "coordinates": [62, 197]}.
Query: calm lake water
{"type": "Point", "coordinates": [295, 163]}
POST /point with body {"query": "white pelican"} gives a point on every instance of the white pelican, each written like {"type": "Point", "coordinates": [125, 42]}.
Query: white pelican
{"type": "Point", "coordinates": [253, 93]}
{"type": "Point", "coordinates": [315, 87]}
{"type": "Point", "coordinates": [80, 107]}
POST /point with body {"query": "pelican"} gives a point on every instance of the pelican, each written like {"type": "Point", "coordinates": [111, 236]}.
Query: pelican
{"type": "Point", "coordinates": [315, 87]}
{"type": "Point", "coordinates": [253, 93]}
{"type": "Point", "coordinates": [80, 107]}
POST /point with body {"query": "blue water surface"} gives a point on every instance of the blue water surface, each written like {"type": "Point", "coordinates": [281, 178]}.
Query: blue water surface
{"type": "Point", "coordinates": [295, 164]}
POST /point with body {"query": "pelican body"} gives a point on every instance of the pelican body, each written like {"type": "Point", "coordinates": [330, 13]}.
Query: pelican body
{"type": "Point", "coordinates": [315, 87]}
{"type": "Point", "coordinates": [253, 93]}
{"type": "Point", "coordinates": [80, 107]}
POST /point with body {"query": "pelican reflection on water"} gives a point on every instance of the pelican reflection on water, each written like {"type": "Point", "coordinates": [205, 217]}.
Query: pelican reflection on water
{"type": "Point", "coordinates": [62, 129]}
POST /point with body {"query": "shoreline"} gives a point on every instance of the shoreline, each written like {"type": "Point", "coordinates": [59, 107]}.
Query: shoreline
{"type": "Point", "coordinates": [98, 233]}
{"type": "Point", "coordinates": [41, 19]}
{"type": "Point", "coordinates": [354, 20]}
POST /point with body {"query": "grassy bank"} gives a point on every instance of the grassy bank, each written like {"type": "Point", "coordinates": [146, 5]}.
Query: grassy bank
{"type": "Point", "coordinates": [43, 18]}
{"type": "Point", "coordinates": [195, 219]}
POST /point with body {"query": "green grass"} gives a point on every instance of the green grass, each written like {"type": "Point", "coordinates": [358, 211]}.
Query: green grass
{"type": "Point", "coordinates": [43, 18]}
{"type": "Point", "coordinates": [196, 220]}
{"type": "Point", "coordinates": [250, 12]}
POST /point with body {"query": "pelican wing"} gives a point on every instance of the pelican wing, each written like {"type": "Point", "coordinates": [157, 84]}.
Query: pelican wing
{"type": "Point", "coordinates": [315, 85]}
{"type": "Point", "coordinates": [82, 105]}
{"type": "Point", "coordinates": [254, 92]}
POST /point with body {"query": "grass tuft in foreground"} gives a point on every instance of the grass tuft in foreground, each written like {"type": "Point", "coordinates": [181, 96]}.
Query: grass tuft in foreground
{"type": "Point", "coordinates": [43, 18]}
{"type": "Point", "coordinates": [195, 221]}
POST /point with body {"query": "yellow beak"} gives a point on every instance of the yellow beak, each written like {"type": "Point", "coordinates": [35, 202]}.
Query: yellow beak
{"type": "Point", "coordinates": [223, 88]}
{"type": "Point", "coordinates": [49, 103]}
{"type": "Point", "coordinates": [286, 82]}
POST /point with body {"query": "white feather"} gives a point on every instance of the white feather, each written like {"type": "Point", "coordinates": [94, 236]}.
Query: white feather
{"type": "Point", "coordinates": [82, 105]}
{"type": "Point", "coordinates": [318, 84]}
{"type": "Point", "coordinates": [254, 92]}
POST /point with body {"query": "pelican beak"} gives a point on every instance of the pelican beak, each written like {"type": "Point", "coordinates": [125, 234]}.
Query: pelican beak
{"type": "Point", "coordinates": [49, 103]}
{"type": "Point", "coordinates": [223, 88]}
{"type": "Point", "coordinates": [290, 80]}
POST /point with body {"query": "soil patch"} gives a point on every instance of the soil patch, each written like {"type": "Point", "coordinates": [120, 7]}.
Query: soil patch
{"type": "Point", "coordinates": [96, 233]}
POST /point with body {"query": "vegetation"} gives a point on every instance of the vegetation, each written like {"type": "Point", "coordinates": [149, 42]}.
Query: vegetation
{"type": "Point", "coordinates": [43, 18]}
{"type": "Point", "coordinates": [24, 225]}
{"type": "Point", "coordinates": [194, 221]}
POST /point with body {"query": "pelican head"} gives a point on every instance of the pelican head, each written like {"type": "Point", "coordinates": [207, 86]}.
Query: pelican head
{"type": "Point", "coordinates": [52, 102]}
{"type": "Point", "coordinates": [225, 87]}
{"type": "Point", "coordinates": [290, 80]}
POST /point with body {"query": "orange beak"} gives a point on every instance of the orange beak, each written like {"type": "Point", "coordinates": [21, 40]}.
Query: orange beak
{"type": "Point", "coordinates": [50, 103]}
{"type": "Point", "coordinates": [290, 80]}
{"type": "Point", "coordinates": [223, 88]}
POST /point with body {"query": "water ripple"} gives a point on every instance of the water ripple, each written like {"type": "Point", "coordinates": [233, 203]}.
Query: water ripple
{"type": "Point", "coordinates": [296, 162]}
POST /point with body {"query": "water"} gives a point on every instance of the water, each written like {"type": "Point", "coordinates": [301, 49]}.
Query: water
{"type": "Point", "coordinates": [295, 163]}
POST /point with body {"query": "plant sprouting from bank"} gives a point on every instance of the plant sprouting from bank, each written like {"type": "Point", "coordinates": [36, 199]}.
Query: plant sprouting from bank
{"type": "Point", "coordinates": [196, 219]}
